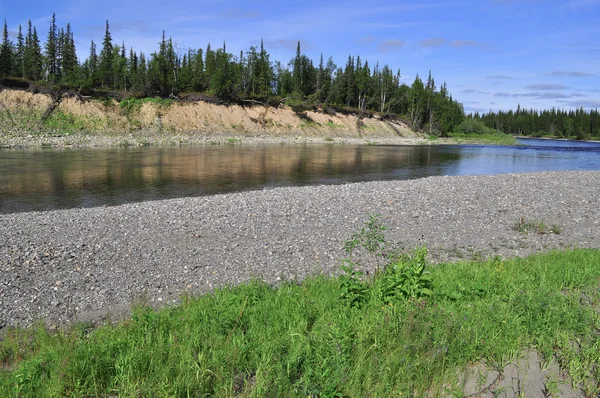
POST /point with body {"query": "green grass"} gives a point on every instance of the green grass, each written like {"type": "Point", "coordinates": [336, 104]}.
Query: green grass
{"type": "Point", "coordinates": [307, 340]}
{"type": "Point", "coordinates": [476, 132]}
{"type": "Point", "coordinates": [525, 226]}
{"type": "Point", "coordinates": [491, 138]}
{"type": "Point", "coordinates": [333, 125]}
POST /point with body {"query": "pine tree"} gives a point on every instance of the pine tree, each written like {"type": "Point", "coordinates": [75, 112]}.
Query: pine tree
{"type": "Point", "coordinates": [50, 60]}
{"type": "Point", "coordinates": [32, 57]}
{"type": "Point", "coordinates": [106, 60]}
{"type": "Point", "coordinates": [297, 71]}
{"type": "Point", "coordinates": [6, 54]}
{"type": "Point", "coordinates": [210, 65]}
{"type": "Point", "coordinates": [143, 74]}
{"type": "Point", "coordinates": [133, 69]}
{"type": "Point", "coordinates": [19, 66]}
{"type": "Point", "coordinates": [69, 57]}
{"type": "Point", "coordinates": [93, 75]}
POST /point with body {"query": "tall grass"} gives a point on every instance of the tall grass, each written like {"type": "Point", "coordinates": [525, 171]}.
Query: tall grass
{"type": "Point", "coordinates": [304, 340]}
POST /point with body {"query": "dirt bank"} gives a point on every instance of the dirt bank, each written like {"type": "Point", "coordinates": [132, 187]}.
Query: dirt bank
{"type": "Point", "coordinates": [90, 122]}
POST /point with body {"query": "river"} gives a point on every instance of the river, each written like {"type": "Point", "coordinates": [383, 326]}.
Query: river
{"type": "Point", "coordinates": [46, 179]}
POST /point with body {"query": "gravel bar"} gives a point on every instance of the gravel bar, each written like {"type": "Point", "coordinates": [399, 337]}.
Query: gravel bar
{"type": "Point", "coordinates": [88, 264]}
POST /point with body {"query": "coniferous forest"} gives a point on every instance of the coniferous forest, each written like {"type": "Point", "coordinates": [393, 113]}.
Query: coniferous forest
{"type": "Point", "coordinates": [554, 122]}
{"type": "Point", "coordinates": [251, 75]}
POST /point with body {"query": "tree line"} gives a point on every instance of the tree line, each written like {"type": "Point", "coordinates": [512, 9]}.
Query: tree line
{"type": "Point", "coordinates": [251, 74]}
{"type": "Point", "coordinates": [577, 123]}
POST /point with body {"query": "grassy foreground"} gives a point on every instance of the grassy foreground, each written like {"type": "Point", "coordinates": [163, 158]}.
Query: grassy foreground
{"type": "Point", "coordinates": [328, 336]}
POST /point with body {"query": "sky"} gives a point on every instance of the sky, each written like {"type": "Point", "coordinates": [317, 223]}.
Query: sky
{"type": "Point", "coordinates": [493, 54]}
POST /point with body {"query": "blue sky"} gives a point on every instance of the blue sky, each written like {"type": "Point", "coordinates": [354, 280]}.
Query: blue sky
{"type": "Point", "coordinates": [493, 54]}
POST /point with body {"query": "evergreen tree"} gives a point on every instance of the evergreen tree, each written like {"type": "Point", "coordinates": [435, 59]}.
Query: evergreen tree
{"type": "Point", "coordinates": [19, 64]}
{"type": "Point", "coordinates": [32, 58]}
{"type": "Point", "coordinates": [297, 71]}
{"type": "Point", "coordinates": [106, 74]}
{"type": "Point", "coordinates": [133, 69]}
{"type": "Point", "coordinates": [142, 82]}
{"type": "Point", "coordinates": [6, 54]}
{"type": "Point", "coordinates": [69, 57]}
{"type": "Point", "coordinates": [210, 65]}
{"type": "Point", "coordinates": [50, 59]}
{"type": "Point", "coordinates": [93, 74]}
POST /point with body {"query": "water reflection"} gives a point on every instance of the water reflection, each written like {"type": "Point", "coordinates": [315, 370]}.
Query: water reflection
{"type": "Point", "coordinates": [51, 179]}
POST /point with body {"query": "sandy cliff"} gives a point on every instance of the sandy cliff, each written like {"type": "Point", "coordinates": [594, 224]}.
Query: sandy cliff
{"type": "Point", "coordinates": [189, 118]}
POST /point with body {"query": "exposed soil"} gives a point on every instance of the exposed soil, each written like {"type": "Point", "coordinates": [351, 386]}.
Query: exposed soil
{"type": "Point", "coordinates": [183, 122]}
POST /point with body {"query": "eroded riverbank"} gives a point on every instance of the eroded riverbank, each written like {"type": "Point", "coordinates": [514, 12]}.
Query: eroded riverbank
{"type": "Point", "coordinates": [81, 264]}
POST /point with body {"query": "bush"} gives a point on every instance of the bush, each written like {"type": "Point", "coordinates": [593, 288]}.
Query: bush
{"type": "Point", "coordinates": [472, 126]}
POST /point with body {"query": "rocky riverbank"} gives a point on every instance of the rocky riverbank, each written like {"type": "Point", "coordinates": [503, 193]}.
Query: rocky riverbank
{"type": "Point", "coordinates": [82, 264]}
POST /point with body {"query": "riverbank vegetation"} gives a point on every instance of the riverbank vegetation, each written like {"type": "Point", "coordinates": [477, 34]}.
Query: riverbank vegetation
{"type": "Point", "coordinates": [112, 71]}
{"type": "Point", "coordinates": [554, 123]}
{"type": "Point", "coordinates": [411, 330]}
{"type": "Point", "coordinates": [475, 131]}
{"type": "Point", "coordinates": [214, 74]}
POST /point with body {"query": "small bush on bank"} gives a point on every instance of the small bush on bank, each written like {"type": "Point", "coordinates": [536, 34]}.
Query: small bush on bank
{"type": "Point", "coordinates": [472, 126]}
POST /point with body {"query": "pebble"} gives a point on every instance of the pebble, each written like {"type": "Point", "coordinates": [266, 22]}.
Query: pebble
{"type": "Point", "coordinates": [76, 265]}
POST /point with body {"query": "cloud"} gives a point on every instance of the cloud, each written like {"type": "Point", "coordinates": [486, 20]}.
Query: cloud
{"type": "Point", "coordinates": [367, 39]}
{"type": "Point", "coordinates": [392, 44]}
{"type": "Point", "coordinates": [564, 73]}
{"type": "Point", "coordinates": [467, 43]}
{"type": "Point", "coordinates": [546, 87]}
{"type": "Point", "coordinates": [543, 95]}
{"type": "Point", "coordinates": [471, 109]}
{"type": "Point", "coordinates": [433, 42]}
{"type": "Point", "coordinates": [502, 95]}
{"type": "Point", "coordinates": [289, 44]}
{"type": "Point", "coordinates": [499, 77]}
{"type": "Point", "coordinates": [588, 103]}
{"type": "Point", "coordinates": [582, 3]}
{"type": "Point", "coordinates": [239, 13]}
{"type": "Point", "coordinates": [492, 103]}
{"type": "Point", "coordinates": [579, 95]}
{"type": "Point", "coordinates": [473, 91]}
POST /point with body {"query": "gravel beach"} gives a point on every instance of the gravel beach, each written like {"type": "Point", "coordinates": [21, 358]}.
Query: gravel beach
{"type": "Point", "coordinates": [85, 264]}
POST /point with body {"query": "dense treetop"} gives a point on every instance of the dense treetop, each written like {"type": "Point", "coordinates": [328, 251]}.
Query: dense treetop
{"type": "Point", "coordinates": [554, 122]}
{"type": "Point", "coordinates": [253, 75]}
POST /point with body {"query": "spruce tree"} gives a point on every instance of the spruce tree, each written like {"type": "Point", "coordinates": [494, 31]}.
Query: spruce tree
{"type": "Point", "coordinates": [297, 71]}
{"type": "Point", "coordinates": [69, 57]}
{"type": "Point", "coordinates": [34, 60]}
{"type": "Point", "coordinates": [6, 56]}
{"type": "Point", "coordinates": [19, 65]}
{"type": "Point", "coordinates": [106, 60]}
{"type": "Point", "coordinates": [93, 73]}
{"type": "Point", "coordinates": [50, 60]}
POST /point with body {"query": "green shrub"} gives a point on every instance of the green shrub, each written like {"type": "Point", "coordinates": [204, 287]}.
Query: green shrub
{"type": "Point", "coordinates": [472, 126]}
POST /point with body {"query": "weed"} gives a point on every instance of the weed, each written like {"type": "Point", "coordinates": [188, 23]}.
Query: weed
{"type": "Point", "coordinates": [371, 237]}
{"type": "Point", "coordinates": [525, 226]}
{"type": "Point", "coordinates": [556, 229]}
{"type": "Point", "coordinates": [405, 280]}
{"type": "Point", "coordinates": [233, 141]}
{"type": "Point", "coordinates": [132, 104]}
{"type": "Point", "coordinates": [352, 290]}
{"type": "Point", "coordinates": [328, 139]}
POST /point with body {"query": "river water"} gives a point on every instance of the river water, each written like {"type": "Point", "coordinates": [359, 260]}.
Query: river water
{"type": "Point", "coordinates": [45, 179]}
